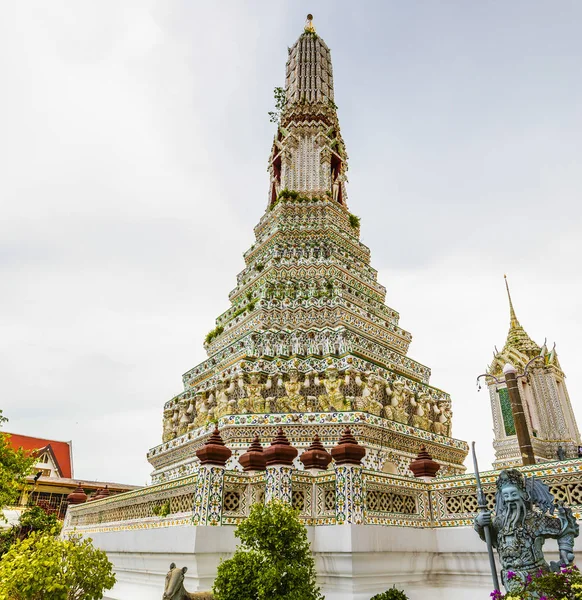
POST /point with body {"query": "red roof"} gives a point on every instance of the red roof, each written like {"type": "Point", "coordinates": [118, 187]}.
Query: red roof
{"type": "Point", "coordinates": [61, 450]}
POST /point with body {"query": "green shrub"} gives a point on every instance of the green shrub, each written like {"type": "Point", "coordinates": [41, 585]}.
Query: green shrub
{"type": "Point", "coordinates": [354, 221]}
{"type": "Point", "coordinates": [273, 561]}
{"type": "Point", "coordinates": [391, 594]}
{"type": "Point", "coordinates": [42, 567]}
{"type": "Point", "coordinates": [161, 511]}
{"type": "Point", "coordinates": [212, 334]}
{"type": "Point", "coordinates": [34, 518]}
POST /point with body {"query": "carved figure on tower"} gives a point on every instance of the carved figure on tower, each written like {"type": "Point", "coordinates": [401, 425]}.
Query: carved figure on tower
{"type": "Point", "coordinates": [294, 400]}
{"type": "Point", "coordinates": [224, 405]}
{"type": "Point", "coordinates": [202, 415]}
{"type": "Point", "coordinates": [442, 424]}
{"type": "Point", "coordinates": [168, 429]}
{"type": "Point", "coordinates": [367, 401]}
{"type": "Point", "coordinates": [255, 401]}
{"type": "Point", "coordinates": [398, 402]}
{"type": "Point", "coordinates": [333, 399]}
{"type": "Point", "coordinates": [524, 510]}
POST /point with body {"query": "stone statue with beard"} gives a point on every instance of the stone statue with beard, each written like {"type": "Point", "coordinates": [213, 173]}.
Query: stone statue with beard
{"type": "Point", "coordinates": [523, 521]}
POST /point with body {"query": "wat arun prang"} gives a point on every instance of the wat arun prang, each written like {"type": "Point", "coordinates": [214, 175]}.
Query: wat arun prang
{"type": "Point", "coordinates": [308, 342]}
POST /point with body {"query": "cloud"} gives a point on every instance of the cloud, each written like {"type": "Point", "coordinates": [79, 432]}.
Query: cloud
{"type": "Point", "coordinates": [134, 146]}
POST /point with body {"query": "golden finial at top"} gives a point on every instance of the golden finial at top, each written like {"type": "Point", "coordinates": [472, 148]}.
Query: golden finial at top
{"type": "Point", "coordinates": [309, 24]}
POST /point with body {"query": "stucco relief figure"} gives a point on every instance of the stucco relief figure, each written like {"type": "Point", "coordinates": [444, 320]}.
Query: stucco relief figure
{"type": "Point", "coordinates": [224, 406]}
{"type": "Point", "coordinates": [524, 510]}
{"type": "Point", "coordinates": [183, 418]}
{"type": "Point", "coordinates": [367, 401]}
{"type": "Point", "coordinates": [387, 411]}
{"type": "Point", "coordinates": [296, 345]}
{"type": "Point", "coordinates": [202, 416]}
{"type": "Point", "coordinates": [398, 403]}
{"type": "Point", "coordinates": [255, 401]}
{"type": "Point", "coordinates": [442, 423]}
{"type": "Point", "coordinates": [333, 399]}
{"type": "Point", "coordinates": [168, 431]}
{"type": "Point", "coordinates": [294, 401]}
{"type": "Point", "coordinates": [420, 416]}
{"type": "Point", "coordinates": [335, 187]}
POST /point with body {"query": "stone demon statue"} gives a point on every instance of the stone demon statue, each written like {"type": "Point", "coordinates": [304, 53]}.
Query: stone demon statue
{"type": "Point", "coordinates": [522, 522]}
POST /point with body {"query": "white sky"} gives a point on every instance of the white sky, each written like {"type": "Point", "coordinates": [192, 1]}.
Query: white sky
{"type": "Point", "coordinates": [134, 145]}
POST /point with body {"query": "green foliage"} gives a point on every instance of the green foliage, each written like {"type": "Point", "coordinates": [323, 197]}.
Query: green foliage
{"type": "Point", "coordinates": [43, 566]}
{"type": "Point", "coordinates": [354, 221]}
{"type": "Point", "coordinates": [212, 334]}
{"type": "Point", "coordinates": [34, 518]}
{"type": "Point", "coordinates": [161, 511]}
{"type": "Point", "coordinates": [565, 584]}
{"type": "Point", "coordinates": [293, 196]}
{"type": "Point", "coordinates": [274, 560]}
{"type": "Point", "coordinates": [280, 101]}
{"type": "Point", "coordinates": [391, 594]}
{"type": "Point", "coordinates": [14, 466]}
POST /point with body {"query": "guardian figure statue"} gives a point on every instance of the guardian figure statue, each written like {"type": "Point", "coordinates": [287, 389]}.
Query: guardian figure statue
{"type": "Point", "coordinates": [523, 521]}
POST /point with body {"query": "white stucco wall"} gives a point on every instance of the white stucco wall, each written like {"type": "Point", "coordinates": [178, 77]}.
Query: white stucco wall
{"type": "Point", "coordinates": [353, 562]}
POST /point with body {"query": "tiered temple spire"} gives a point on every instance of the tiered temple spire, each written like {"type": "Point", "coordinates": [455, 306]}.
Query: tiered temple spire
{"type": "Point", "coordinates": [308, 330]}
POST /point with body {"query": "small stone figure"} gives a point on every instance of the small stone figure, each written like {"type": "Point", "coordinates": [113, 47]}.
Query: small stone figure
{"type": "Point", "coordinates": [174, 588]}
{"type": "Point", "coordinates": [522, 524]}
{"type": "Point", "coordinates": [561, 453]}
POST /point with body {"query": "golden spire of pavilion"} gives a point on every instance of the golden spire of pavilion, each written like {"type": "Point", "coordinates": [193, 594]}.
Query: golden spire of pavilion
{"type": "Point", "coordinates": [513, 319]}
{"type": "Point", "coordinates": [517, 337]}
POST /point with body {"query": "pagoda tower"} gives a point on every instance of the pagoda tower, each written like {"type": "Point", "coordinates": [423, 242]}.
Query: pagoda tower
{"type": "Point", "coordinates": [308, 342]}
{"type": "Point", "coordinates": [549, 415]}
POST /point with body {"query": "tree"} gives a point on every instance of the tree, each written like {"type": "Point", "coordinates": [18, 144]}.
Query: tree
{"type": "Point", "coordinates": [274, 561]}
{"type": "Point", "coordinates": [34, 518]}
{"type": "Point", "coordinates": [43, 566]}
{"type": "Point", "coordinates": [14, 466]}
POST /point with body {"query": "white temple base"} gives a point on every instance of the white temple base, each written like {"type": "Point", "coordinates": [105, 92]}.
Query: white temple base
{"type": "Point", "coordinates": [353, 562]}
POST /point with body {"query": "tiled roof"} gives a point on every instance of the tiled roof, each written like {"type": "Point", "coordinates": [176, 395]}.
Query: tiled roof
{"type": "Point", "coordinates": [61, 450]}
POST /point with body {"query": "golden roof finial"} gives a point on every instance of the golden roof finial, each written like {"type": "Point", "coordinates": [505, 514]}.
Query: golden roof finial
{"type": "Point", "coordinates": [309, 24]}
{"type": "Point", "coordinates": [513, 319]}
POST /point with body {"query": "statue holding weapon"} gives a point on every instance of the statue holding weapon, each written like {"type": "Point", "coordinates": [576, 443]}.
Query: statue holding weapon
{"type": "Point", "coordinates": [486, 528]}
{"type": "Point", "coordinates": [523, 520]}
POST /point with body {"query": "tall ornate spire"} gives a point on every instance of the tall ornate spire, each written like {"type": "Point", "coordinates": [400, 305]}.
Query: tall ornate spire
{"type": "Point", "coordinates": [308, 154]}
{"type": "Point", "coordinates": [513, 319]}
{"type": "Point", "coordinates": [307, 329]}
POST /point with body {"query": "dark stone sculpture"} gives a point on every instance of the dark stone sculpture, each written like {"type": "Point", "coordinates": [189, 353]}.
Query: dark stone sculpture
{"type": "Point", "coordinates": [523, 521]}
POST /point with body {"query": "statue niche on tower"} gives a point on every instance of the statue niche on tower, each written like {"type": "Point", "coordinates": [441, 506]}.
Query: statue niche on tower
{"type": "Point", "coordinates": [523, 521]}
